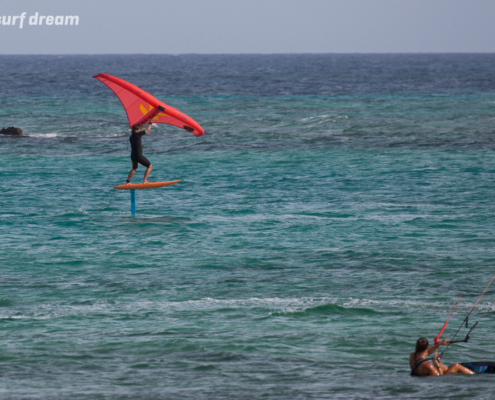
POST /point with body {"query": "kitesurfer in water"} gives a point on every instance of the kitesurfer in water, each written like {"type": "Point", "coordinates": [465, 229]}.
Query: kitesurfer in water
{"type": "Point", "coordinates": [421, 367]}
{"type": "Point", "coordinates": [137, 152]}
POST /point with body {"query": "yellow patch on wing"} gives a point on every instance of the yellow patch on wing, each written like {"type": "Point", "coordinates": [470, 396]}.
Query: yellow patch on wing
{"type": "Point", "coordinates": [143, 108]}
{"type": "Point", "coordinates": [156, 117]}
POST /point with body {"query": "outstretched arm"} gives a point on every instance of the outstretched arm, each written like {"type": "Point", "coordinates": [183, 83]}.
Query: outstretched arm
{"type": "Point", "coordinates": [148, 128]}
{"type": "Point", "coordinates": [432, 349]}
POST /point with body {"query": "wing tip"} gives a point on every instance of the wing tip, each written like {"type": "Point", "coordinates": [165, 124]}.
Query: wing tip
{"type": "Point", "coordinates": [101, 75]}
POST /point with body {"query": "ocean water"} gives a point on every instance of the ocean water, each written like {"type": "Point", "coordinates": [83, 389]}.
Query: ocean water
{"type": "Point", "coordinates": [333, 213]}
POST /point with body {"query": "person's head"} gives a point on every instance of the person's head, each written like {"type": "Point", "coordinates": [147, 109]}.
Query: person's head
{"type": "Point", "coordinates": [137, 128]}
{"type": "Point", "coordinates": [421, 345]}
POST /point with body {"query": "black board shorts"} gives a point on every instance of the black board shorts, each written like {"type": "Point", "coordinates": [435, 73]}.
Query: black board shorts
{"type": "Point", "coordinates": [139, 159]}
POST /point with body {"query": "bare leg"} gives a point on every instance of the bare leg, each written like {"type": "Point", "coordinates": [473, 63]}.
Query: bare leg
{"type": "Point", "coordinates": [146, 174]}
{"type": "Point", "coordinates": [458, 368]}
{"type": "Point", "coordinates": [443, 368]}
{"type": "Point", "coordinates": [131, 174]}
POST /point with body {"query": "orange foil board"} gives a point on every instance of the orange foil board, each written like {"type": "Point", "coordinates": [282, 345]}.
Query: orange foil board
{"type": "Point", "coordinates": [151, 185]}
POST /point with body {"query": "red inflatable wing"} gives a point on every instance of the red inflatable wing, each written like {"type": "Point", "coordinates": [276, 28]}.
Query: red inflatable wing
{"type": "Point", "coordinates": [141, 107]}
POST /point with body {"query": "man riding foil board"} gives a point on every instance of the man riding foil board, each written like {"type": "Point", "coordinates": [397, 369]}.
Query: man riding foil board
{"type": "Point", "coordinates": [137, 152]}
{"type": "Point", "coordinates": [141, 107]}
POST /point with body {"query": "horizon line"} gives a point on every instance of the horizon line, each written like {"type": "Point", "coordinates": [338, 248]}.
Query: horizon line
{"type": "Point", "coordinates": [248, 54]}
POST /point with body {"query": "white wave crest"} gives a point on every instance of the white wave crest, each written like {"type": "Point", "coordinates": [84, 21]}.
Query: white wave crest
{"type": "Point", "coordinates": [44, 135]}
{"type": "Point", "coordinates": [269, 305]}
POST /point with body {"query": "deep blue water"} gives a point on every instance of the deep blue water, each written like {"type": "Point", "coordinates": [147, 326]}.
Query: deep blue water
{"type": "Point", "coordinates": [333, 213]}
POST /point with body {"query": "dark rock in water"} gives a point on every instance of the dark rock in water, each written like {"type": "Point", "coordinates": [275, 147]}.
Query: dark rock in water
{"type": "Point", "coordinates": [11, 131]}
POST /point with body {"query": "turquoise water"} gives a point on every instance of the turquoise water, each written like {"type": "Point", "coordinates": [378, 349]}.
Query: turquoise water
{"type": "Point", "coordinates": [320, 227]}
